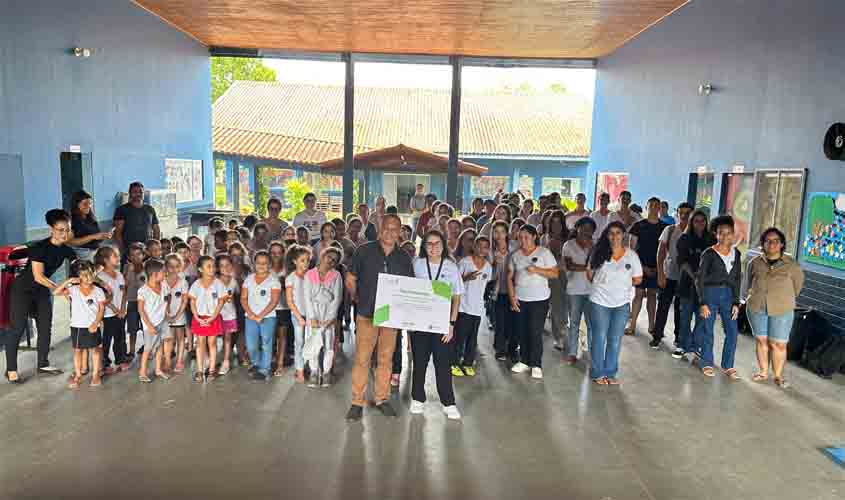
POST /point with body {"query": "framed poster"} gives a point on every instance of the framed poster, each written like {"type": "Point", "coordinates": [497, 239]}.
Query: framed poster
{"type": "Point", "coordinates": [700, 190]}
{"type": "Point", "coordinates": [778, 202]}
{"type": "Point", "coordinates": [184, 177]}
{"type": "Point", "coordinates": [737, 200]}
{"type": "Point", "coordinates": [612, 183]}
{"type": "Point", "coordinates": [824, 243]}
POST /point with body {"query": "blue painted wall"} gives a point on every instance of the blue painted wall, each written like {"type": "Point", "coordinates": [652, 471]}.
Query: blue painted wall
{"type": "Point", "coordinates": [778, 70]}
{"type": "Point", "coordinates": [142, 96]}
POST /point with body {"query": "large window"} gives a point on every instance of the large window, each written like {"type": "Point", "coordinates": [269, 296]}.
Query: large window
{"type": "Point", "coordinates": [567, 187]}
{"type": "Point", "coordinates": [487, 186]}
{"type": "Point", "coordinates": [778, 199]}
{"type": "Point", "coordinates": [526, 186]}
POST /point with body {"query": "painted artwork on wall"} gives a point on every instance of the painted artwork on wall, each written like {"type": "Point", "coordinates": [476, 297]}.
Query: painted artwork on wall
{"type": "Point", "coordinates": [184, 177]}
{"type": "Point", "coordinates": [612, 183]}
{"type": "Point", "coordinates": [736, 201]}
{"type": "Point", "coordinates": [824, 243]}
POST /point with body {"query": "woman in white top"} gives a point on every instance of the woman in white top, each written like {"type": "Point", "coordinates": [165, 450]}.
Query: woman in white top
{"type": "Point", "coordinates": [576, 254]}
{"type": "Point", "coordinates": [435, 264]}
{"type": "Point", "coordinates": [531, 268]}
{"type": "Point", "coordinates": [259, 296]}
{"type": "Point", "coordinates": [614, 271]}
{"type": "Point", "coordinates": [501, 213]}
{"type": "Point", "coordinates": [476, 272]}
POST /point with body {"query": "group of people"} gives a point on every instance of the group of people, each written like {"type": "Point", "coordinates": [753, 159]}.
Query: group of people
{"type": "Point", "coordinates": [269, 294]}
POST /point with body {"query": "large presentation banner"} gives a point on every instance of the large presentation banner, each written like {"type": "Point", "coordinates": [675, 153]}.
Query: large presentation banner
{"type": "Point", "coordinates": [413, 304]}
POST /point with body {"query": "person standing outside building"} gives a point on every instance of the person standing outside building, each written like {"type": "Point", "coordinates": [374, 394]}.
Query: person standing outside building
{"type": "Point", "coordinates": [135, 221]}
{"type": "Point", "coordinates": [371, 259]}
{"type": "Point", "coordinates": [311, 218]}
{"type": "Point", "coordinates": [579, 212]}
{"type": "Point", "coordinates": [668, 274]}
{"type": "Point", "coordinates": [276, 226]}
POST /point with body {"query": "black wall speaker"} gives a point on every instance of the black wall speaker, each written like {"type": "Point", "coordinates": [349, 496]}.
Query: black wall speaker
{"type": "Point", "coordinates": [834, 142]}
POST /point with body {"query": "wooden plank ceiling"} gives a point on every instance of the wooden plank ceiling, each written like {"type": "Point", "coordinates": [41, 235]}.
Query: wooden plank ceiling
{"type": "Point", "coordinates": [498, 28]}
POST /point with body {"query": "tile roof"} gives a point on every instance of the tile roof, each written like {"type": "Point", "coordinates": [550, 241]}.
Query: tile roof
{"type": "Point", "coordinates": [301, 122]}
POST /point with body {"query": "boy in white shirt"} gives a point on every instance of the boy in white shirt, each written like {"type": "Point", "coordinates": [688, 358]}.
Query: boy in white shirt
{"type": "Point", "coordinates": [152, 307]}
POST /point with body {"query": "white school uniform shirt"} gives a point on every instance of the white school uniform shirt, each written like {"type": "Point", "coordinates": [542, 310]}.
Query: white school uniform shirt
{"type": "Point", "coordinates": [448, 274]}
{"type": "Point", "coordinates": [178, 294]}
{"type": "Point", "coordinates": [207, 298]}
{"type": "Point", "coordinates": [311, 221]}
{"type": "Point", "coordinates": [229, 312]}
{"type": "Point", "coordinates": [472, 301]}
{"type": "Point", "coordinates": [612, 282]}
{"type": "Point", "coordinates": [118, 290]}
{"type": "Point", "coordinates": [576, 282]}
{"type": "Point", "coordinates": [154, 304]}
{"type": "Point", "coordinates": [259, 295]}
{"type": "Point", "coordinates": [298, 285]}
{"type": "Point", "coordinates": [283, 298]}
{"type": "Point", "coordinates": [83, 308]}
{"type": "Point", "coordinates": [531, 287]}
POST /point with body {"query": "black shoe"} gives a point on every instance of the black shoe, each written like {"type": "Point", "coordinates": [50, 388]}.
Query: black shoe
{"type": "Point", "coordinates": [386, 409]}
{"type": "Point", "coordinates": [252, 370]}
{"type": "Point", "coordinates": [314, 380]}
{"type": "Point", "coordinates": [354, 414]}
{"type": "Point", "coordinates": [49, 370]}
{"type": "Point", "coordinates": [500, 356]}
{"type": "Point", "coordinates": [259, 376]}
{"type": "Point", "coordinates": [655, 343]}
{"type": "Point", "coordinates": [678, 353]}
{"type": "Point", "coordinates": [141, 351]}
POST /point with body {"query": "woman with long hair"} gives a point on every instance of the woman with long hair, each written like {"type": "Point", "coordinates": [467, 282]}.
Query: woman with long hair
{"type": "Point", "coordinates": [86, 236]}
{"type": "Point", "coordinates": [691, 244]}
{"type": "Point", "coordinates": [435, 264]}
{"type": "Point", "coordinates": [555, 236]}
{"type": "Point", "coordinates": [531, 268]}
{"type": "Point", "coordinates": [575, 260]}
{"type": "Point", "coordinates": [453, 232]}
{"type": "Point", "coordinates": [504, 340]}
{"type": "Point", "coordinates": [614, 271]}
{"type": "Point", "coordinates": [466, 244]}
{"type": "Point", "coordinates": [775, 283]}
{"type": "Point", "coordinates": [501, 213]}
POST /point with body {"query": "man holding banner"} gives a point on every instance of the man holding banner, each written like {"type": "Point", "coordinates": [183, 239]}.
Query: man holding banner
{"type": "Point", "coordinates": [382, 256]}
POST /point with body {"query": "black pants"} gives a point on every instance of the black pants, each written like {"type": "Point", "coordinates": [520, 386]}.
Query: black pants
{"type": "Point", "coordinates": [133, 317]}
{"type": "Point", "coordinates": [531, 321]}
{"type": "Point", "coordinates": [665, 298]}
{"type": "Point", "coordinates": [25, 298]}
{"type": "Point", "coordinates": [466, 331]}
{"type": "Point", "coordinates": [423, 346]}
{"type": "Point", "coordinates": [114, 329]}
{"type": "Point", "coordinates": [505, 340]}
{"type": "Point", "coordinates": [397, 354]}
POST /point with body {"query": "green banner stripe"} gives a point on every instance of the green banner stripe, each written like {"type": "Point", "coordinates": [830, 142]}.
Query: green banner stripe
{"type": "Point", "coordinates": [442, 289]}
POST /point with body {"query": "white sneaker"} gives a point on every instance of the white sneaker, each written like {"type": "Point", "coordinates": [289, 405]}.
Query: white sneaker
{"type": "Point", "coordinates": [536, 372]}
{"type": "Point", "coordinates": [452, 412]}
{"type": "Point", "coordinates": [417, 408]}
{"type": "Point", "coordinates": [520, 368]}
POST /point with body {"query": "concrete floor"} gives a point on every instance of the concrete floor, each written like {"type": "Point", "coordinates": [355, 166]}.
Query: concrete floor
{"type": "Point", "coordinates": [667, 433]}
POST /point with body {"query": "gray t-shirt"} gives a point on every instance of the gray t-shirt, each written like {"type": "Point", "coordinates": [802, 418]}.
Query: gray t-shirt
{"type": "Point", "coordinates": [670, 236]}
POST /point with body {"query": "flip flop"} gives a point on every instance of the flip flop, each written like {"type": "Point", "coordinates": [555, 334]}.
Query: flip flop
{"type": "Point", "coordinates": [782, 383]}
{"type": "Point", "coordinates": [708, 371]}
{"type": "Point", "coordinates": [732, 374]}
{"type": "Point", "coordinates": [760, 377]}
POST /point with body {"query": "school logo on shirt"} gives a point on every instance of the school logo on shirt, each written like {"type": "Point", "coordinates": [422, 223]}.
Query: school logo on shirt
{"type": "Point", "coordinates": [178, 294]}
{"type": "Point", "coordinates": [213, 295]}
{"type": "Point", "coordinates": [263, 293]}
{"type": "Point", "coordinates": [122, 287]}
{"type": "Point", "coordinates": [90, 302]}
{"type": "Point", "coordinates": [142, 279]}
{"type": "Point", "coordinates": [534, 260]}
{"type": "Point", "coordinates": [627, 267]}
{"type": "Point", "coordinates": [484, 276]}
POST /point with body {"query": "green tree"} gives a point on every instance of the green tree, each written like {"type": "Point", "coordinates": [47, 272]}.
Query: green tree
{"type": "Point", "coordinates": [295, 190]}
{"type": "Point", "coordinates": [225, 70]}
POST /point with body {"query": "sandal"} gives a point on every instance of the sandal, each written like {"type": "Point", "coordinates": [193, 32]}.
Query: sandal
{"type": "Point", "coordinates": [708, 371]}
{"type": "Point", "coordinates": [224, 369]}
{"type": "Point", "coordinates": [145, 379]}
{"type": "Point", "coordinates": [732, 374]}
{"type": "Point", "coordinates": [600, 381]}
{"type": "Point", "coordinates": [73, 382]}
{"type": "Point", "coordinates": [180, 367]}
{"type": "Point", "coordinates": [163, 376]}
{"type": "Point", "coordinates": [613, 381]}
{"type": "Point", "coordinates": [781, 382]}
{"type": "Point", "coordinates": [629, 331]}
{"type": "Point", "coordinates": [280, 372]}
{"type": "Point", "coordinates": [760, 377]}
{"type": "Point", "coordinates": [96, 381]}
{"type": "Point", "coordinates": [198, 377]}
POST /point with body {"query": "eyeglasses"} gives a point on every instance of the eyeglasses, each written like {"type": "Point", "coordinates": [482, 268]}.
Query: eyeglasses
{"type": "Point", "coordinates": [433, 244]}
{"type": "Point", "coordinates": [61, 230]}
{"type": "Point", "coordinates": [772, 241]}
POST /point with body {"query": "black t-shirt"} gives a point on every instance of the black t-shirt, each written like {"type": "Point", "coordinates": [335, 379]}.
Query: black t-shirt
{"type": "Point", "coordinates": [648, 239]}
{"type": "Point", "coordinates": [85, 227]}
{"type": "Point", "coordinates": [139, 222]}
{"type": "Point", "coordinates": [369, 260]}
{"type": "Point", "coordinates": [50, 255]}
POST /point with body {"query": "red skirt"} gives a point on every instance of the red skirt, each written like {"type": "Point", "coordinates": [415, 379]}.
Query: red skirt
{"type": "Point", "coordinates": [212, 330]}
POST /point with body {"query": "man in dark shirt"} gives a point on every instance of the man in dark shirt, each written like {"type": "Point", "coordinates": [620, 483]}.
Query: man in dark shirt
{"type": "Point", "coordinates": [371, 259]}
{"type": "Point", "coordinates": [135, 222]}
{"type": "Point", "coordinates": [645, 239]}
{"type": "Point", "coordinates": [33, 290]}
{"type": "Point", "coordinates": [370, 231]}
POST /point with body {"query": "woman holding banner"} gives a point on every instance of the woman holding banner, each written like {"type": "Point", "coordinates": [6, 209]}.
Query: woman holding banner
{"type": "Point", "coordinates": [435, 264]}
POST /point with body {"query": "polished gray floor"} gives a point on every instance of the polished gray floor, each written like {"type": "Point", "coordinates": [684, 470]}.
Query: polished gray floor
{"type": "Point", "coordinates": [667, 433]}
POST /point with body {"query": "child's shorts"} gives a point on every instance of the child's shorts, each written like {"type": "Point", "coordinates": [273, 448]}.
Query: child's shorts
{"type": "Point", "coordinates": [153, 340]}
{"type": "Point", "coordinates": [212, 330]}
{"type": "Point", "coordinates": [283, 319]}
{"type": "Point", "coordinates": [230, 325]}
{"type": "Point", "coordinates": [81, 338]}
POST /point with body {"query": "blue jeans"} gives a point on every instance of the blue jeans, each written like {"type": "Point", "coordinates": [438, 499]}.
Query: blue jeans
{"type": "Point", "coordinates": [689, 336]}
{"type": "Point", "coordinates": [608, 328]}
{"type": "Point", "coordinates": [260, 333]}
{"type": "Point", "coordinates": [719, 299]}
{"type": "Point", "coordinates": [774, 328]}
{"type": "Point", "coordinates": [578, 304]}
{"type": "Point", "coordinates": [298, 343]}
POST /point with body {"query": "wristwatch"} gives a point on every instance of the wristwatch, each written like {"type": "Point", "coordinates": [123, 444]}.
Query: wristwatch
{"type": "Point", "coordinates": [452, 322]}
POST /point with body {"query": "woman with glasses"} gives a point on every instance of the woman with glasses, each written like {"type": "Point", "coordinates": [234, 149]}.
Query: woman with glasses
{"type": "Point", "coordinates": [775, 281]}
{"type": "Point", "coordinates": [614, 271]}
{"type": "Point", "coordinates": [34, 287]}
{"type": "Point", "coordinates": [435, 264]}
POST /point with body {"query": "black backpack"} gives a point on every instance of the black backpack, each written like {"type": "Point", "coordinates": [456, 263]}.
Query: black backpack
{"type": "Point", "coordinates": [808, 332]}
{"type": "Point", "coordinates": [826, 359]}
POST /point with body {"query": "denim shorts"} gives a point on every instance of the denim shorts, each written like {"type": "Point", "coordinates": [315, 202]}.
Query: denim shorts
{"type": "Point", "coordinates": [775, 328]}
